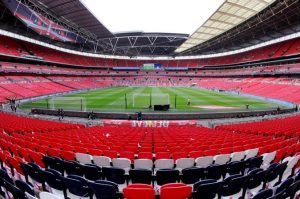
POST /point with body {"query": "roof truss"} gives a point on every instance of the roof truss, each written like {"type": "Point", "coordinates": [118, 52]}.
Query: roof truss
{"type": "Point", "coordinates": [230, 14]}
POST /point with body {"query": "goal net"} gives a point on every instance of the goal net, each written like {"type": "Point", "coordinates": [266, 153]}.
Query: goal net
{"type": "Point", "coordinates": [144, 100]}
{"type": "Point", "coordinates": [68, 103]}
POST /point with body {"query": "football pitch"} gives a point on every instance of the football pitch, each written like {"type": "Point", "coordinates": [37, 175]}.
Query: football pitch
{"type": "Point", "coordinates": [140, 98]}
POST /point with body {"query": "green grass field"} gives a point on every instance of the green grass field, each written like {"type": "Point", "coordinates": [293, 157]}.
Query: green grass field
{"type": "Point", "coordinates": [139, 98]}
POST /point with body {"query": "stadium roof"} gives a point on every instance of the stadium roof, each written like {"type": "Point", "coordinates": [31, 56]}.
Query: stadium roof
{"type": "Point", "coordinates": [230, 14]}
{"type": "Point", "coordinates": [274, 21]}
{"type": "Point", "coordinates": [143, 44]}
{"type": "Point", "coordinates": [74, 11]}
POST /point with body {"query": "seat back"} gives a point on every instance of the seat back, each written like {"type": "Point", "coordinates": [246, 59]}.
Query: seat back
{"type": "Point", "coordinates": [175, 191]}
{"type": "Point", "coordinates": [183, 163]}
{"type": "Point", "coordinates": [76, 186]}
{"type": "Point", "coordinates": [268, 158]}
{"type": "Point", "coordinates": [291, 164]}
{"type": "Point", "coordinates": [256, 179]}
{"type": "Point", "coordinates": [47, 195]}
{"type": "Point", "coordinates": [237, 167]}
{"type": "Point", "coordinates": [92, 172]}
{"type": "Point", "coordinates": [113, 174]}
{"type": "Point", "coordinates": [12, 190]}
{"type": "Point", "coordinates": [222, 159]}
{"type": "Point", "coordinates": [284, 185]}
{"type": "Point", "coordinates": [251, 153]}
{"type": "Point", "coordinates": [140, 176]}
{"type": "Point", "coordinates": [234, 185]}
{"type": "Point", "coordinates": [84, 158]}
{"type": "Point", "coordinates": [54, 180]}
{"type": "Point", "coordinates": [73, 168]}
{"type": "Point", "coordinates": [293, 189]}
{"type": "Point", "coordinates": [165, 176]}
{"type": "Point", "coordinates": [237, 156]}
{"type": "Point", "coordinates": [207, 190]}
{"type": "Point", "coordinates": [215, 172]}
{"type": "Point", "coordinates": [137, 192]}
{"type": "Point", "coordinates": [267, 193]}
{"type": "Point", "coordinates": [104, 189]}
{"type": "Point", "coordinates": [192, 175]}
{"type": "Point", "coordinates": [164, 164]}
{"type": "Point", "coordinates": [122, 163]}
{"type": "Point", "coordinates": [102, 161]}
{"type": "Point", "coordinates": [53, 163]}
{"type": "Point", "coordinates": [34, 172]}
{"type": "Point", "coordinates": [4, 176]}
{"type": "Point", "coordinates": [143, 164]}
{"type": "Point", "coordinates": [254, 162]}
{"type": "Point", "coordinates": [204, 162]}
{"type": "Point", "coordinates": [25, 187]}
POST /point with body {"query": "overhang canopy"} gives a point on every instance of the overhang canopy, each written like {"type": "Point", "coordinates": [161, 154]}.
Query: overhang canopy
{"type": "Point", "coordinates": [76, 12]}
{"type": "Point", "coordinates": [230, 14]}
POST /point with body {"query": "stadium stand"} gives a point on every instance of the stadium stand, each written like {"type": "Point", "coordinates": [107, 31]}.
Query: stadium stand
{"type": "Point", "coordinates": [49, 159]}
{"type": "Point", "coordinates": [277, 88]}
{"type": "Point", "coordinates": [32, 86]}
{"type": "Point", "coordinates": [16, 48]}
{"type": "Point", "coordinates": [40, 152]}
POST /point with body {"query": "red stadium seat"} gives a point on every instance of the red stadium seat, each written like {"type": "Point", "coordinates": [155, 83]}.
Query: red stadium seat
{"type": "Point", "coordinates": [138, 191]}
{"type": "Point", "coordinates": [128, 155]}
{"type": "Point", "coordinates": [95, 152]}
{"type": "Point", "coordinates": [196, 154]}
{"type": "Point", "coordinates": [178, 155]}
{"type": "Point", "coordinates": [111, 154]}
{"type": "Point", "coordinates": [53, 152]}
{"type": "Point", "coordinates": [211, 152]}
{"type": "Point", "coordinates": [37, 158]}
{"type": "Point", "coordinates": [175, 191]}
{"type": "Point", "coordinates": [15, 164]}
{"type": "Point", "coordinates": [145, 155]}
{"type": "Point", "coordinates": [68, 155]}
{"type": "Point", "coordinates": [162, 155]}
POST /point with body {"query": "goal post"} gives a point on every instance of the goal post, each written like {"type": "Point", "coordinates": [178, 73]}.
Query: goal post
{"type": "Point", "coordinates": [68, 103]}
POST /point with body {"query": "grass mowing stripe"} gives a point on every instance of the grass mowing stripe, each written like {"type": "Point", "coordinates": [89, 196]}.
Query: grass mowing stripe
{"type": "Point", "coordinates": [121, 98]}
{"type": "Point", "coordinates": [107, 102]}
{"type": "Point", "coordinates": [114, 98]}
{"type": "Point", "coordinates": [230, 100]}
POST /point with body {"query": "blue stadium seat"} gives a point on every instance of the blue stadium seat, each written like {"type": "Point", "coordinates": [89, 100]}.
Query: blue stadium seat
{"type": "Point", "coordinates": [143, 176]}
{"type": "Point", "coordinates": [165, 176]}
{"type": "Point", "coordinates": [192, 175]}
{"type": "Point", "coordinates": [103, 189]}
{"type": "Point", "coordinates": [77, 187]}
{"type": "Point", "coordinates": [206, 189]}
{"type": "Point", "coordinates": [264, 194]}
{"type": "Point", "coordinates": [116, 175]}
{"type": "Point", "coordinates": [92, 172]}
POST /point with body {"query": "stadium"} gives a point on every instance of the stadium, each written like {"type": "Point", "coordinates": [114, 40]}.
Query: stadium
{"type": "Point", "coordinates": [92, 108]}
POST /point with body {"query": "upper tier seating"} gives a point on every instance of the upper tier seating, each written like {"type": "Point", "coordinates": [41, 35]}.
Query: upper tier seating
{"type": "Point", "coordinates": [54, 70]}
{"type": "Point", "coordinates": [9, 46]}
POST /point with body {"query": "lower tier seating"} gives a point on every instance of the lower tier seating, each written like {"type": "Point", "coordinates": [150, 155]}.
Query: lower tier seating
{"type": "Point", "coordinates": [60, 160]}
{"type": "Point", "coordinates": [32, 86]}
